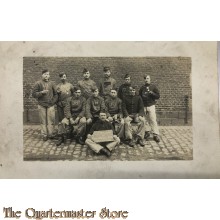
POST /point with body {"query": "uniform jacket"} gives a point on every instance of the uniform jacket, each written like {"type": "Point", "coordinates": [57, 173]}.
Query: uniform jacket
{"type": "Point", "coordinates": [123, 91]}
{"type": "Point", "coordinates": [105, 86]}
{"type": "Point", "coordinates": [66, 91]}
{"type": "Point", "coordinates": [86, 86]}
{"type": "Point", "coordinates": [100, 125]}
{"type": "Point", "coordinates": [132, 105]}
{"type": "Point", "coordinates": [93, 106]}
{"type": "Point", "coordinates": [75, 107]}
{"type": "Point", "coordinates": [149, 99]}
{"type": "Point", "coordinates": [45, 100]}
{"type": "Point", "coordinates": [113, 106]}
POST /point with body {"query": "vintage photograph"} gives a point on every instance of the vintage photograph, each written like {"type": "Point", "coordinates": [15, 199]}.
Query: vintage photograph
{"type": "Point", "coordinates": [107, 108]}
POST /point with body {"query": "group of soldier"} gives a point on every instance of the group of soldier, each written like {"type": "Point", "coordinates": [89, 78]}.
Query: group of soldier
{"type": "Point", "coordinates": [89, 107]}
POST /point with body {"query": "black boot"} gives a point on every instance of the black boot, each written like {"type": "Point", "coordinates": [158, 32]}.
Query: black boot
{"type": "Point", "coordinates": [105, 151]}
{"type": "Point", "coordinates": [60, 141]}
{"type": "Point", "coordinates": [80, 140]}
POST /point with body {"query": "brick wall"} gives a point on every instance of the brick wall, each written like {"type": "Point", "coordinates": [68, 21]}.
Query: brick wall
{"type": "Point", "coordinates": [172, 75]}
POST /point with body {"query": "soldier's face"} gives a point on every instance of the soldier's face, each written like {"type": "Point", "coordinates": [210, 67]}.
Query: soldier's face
{"type": "Point", "coordinates": [107, 73]}
{"type": "Point", "coordinates": [46, 76]}
{"type": "Point", "coordinates": [113, 93]}
{"type": "Point", "coordinates": [95, 93]}
{"type": "Point", "coordinates": [77, 93]}
{"type": "Point", "coordinates": [147, 79]}
{"type": "Point", "coordinates": [86, 75]}
{"type": "Point", "coordinates": [132, 91]}
{"type": "Point", "coordinates": [102, 116]}
{"type": "Point", "coordinates": [127, 80]}
{"type": "Point", "coordinates": [63, 78]}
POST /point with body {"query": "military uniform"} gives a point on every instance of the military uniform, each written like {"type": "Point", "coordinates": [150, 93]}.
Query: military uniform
{"type": "Point", "coordinates": [100, 125]}
{"type": "Point", "coordinates": [114, 109]}
{"type": "Point", "coordinates": [64, 90]}
{"type": "Point", "coordinates": [46, 104]}
{"type": "Point", "coordinates": [133, 107]}
{"type": "Point", "coordinates": [86, 87]}
{"type": "Point", "coordinates": [105, 86]}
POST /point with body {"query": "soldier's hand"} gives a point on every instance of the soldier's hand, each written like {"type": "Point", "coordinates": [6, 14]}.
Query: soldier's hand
{"type": "Point", "coordinates": [72, 121]}
{"type": "Point", "coordinates": [122, 121]}
{"type": "Point", "coordinates": [141, 118]}
{"type": "Point", "coordinates": [89, 136]}
{"type": "Point", "coordinates": [114, 137]}
{"type": "Point", "coordinates": [44, 91]}
{"type": "Point", "coordinates": [89, 121]}
{"type": "Point", "coordinates": [115, 117]}
{"type": "Point", "coordinates": [65, 121]}
{"type": "Point", "coordinates": [77, 120]}
{"type": "Point", "coordinates": [110, 119]}
{"type": "Point", "coordinates": [128, 118]}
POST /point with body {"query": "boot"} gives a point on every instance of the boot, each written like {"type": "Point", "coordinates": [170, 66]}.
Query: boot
{"type": "Point", "coordinates": [60, 141]}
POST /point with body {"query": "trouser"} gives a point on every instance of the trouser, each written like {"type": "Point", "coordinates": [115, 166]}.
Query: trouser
{"type": "Point", "coordinates": [47, 120]}
{"type": "Point", "coordinates": [89, 126]}
{"type": "Point", "coordinates": [60, 113]}
{"type": "Point", "coordinates": [119, 127]}
{"type": "Point", "coordinates": [97, 147]}
{"type": "Point", "coordinates": [80, 128]}
{"type": "Point", "coordinates": [152, 119]}
{"type": "Point", "coordinates": [128, 128]}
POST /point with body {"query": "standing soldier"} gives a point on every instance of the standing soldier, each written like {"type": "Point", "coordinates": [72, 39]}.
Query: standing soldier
{"type": "Point", "coordinates": [45, 93]}
{"type": "Point", "coordinates": [149, 94]}
{"type": "Point", "coordinates": [107, 83]}
{"type": "Point", "coordinates": [64, 91]}
{"type": "Point", "coordinates": [86, 84]}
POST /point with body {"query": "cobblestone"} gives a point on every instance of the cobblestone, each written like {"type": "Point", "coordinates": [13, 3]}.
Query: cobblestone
{"type": "Point", "coordinates": [175, 144]}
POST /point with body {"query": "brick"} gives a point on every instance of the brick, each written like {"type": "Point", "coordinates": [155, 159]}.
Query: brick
{"type": "Point", "coordinates": [170, 74]}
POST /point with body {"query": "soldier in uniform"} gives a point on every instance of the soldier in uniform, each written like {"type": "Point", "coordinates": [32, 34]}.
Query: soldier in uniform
{"type": "Point", "coordinates": [114, 112]}
{"type": "Point", "coordinates": [124, 88]}
{"type": "Point", "coordinates": [74, 112]}
{"type": "Point", "coordinates": [100, 125]}
{"type": "Point", "coordinates": [133, 111]}
{"type": "Point", "coordinates": [150, 93]}
{"type": "Point", "coordinates": [86, 84]}
{"type": "Point", "coordinates": [94, 105]}
{"type": "Point", "coordinates": [64, 91]}
{"type": "Point", "coordinates": [107, 83]}
{"type": "Point", "coordinates": [45, 92]}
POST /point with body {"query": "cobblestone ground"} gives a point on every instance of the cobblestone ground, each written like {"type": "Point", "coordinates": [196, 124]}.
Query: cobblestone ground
{"type": "Point", "coordinates": [175, 144]}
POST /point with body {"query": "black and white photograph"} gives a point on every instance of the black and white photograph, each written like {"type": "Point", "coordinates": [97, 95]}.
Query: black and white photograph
{"type": "Point", "coordinates": [107, 108]}
{"type": "Point", "coordinates": [110, 109]}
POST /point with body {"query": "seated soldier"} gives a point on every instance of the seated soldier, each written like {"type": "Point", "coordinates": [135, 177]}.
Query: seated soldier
{"type": "Point", "coordinates": [133, 111]}
{"type": "Point", "coordinates": [74, 112]}
{"type": "Point", "coordinates": [94, 105]}
{"type": "Point", "coordinates": [114, 112]}
{"type": "Point", "coordinates": [101, 125]}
